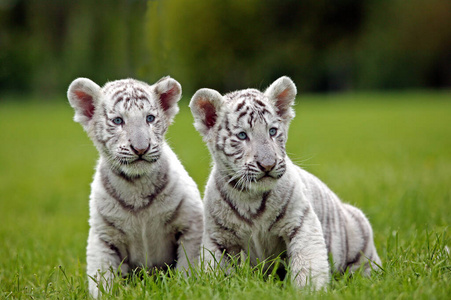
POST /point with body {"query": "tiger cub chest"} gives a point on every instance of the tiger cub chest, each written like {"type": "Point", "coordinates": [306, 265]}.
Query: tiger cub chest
{"type": "Point", "coordinates": [148, 241]}
{"type": "Point", "coordinates": [145, 236]}
{"type": "Point", "coordinates": [138, 220]}
{"type": "Point", "coordinates": [262, 244]}
{"type": "Point", "coordinates": [250, 226]}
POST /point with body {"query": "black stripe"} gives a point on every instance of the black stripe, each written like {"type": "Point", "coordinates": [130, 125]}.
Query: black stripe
{"type": "Point", "coordinates": [112, 192]}
{"type": "Point", "coordinates": [365, 238]}
{"type": "Point", "coordinates": [109, 222]}
{"type": "Point", "coordinates": [331, 220]}
{"type": "Point", "coordinates": [354, 260]}
{"type": "Point", "coordinates": [232, 154]}
{"type": "Point", "coordinates": [240, 106]}
{"type": "Point", "coordinates": [297, 228]}
{"type": "Point", "coordinates": [325, 201]}
{"type": "Point", "coordinates": [284, 208]}
{"type": "Point", "coordinates": [143, 92]}
{"type": "Point", "coordinates": [262, 113]}
{"type": "Point", "coordinates": [159, 187]}
{"type": "Point", "coordinates": [326, 232]}
{"type": "Point", "coordinates": [219, 148]}
{"type": "Point", "coordinates": [322, 200]}
{"type": "Point", "coordinates": [118, 101]}
{"type": "Point", "coordinates": [218, 245]}
{"type": "Point", "coordinates": [221, 225]}
{"type": "Point", "coordinates": [234, 184]}
{"type": "Point", "coordinates": [262, 207]}
{"type": "Point", "coordinates": [164, 180]}
{"type": "Point", "coordinates": [241, 115]}
{"type": "Point", "coordinates": [126, 177]}
{"type": "Point", "coordinates": [226, 199]}
{"type": "Point", "coordinates": [259, 103]}
{"type": "Point", "coordinates": [251, 93]}
{"type": "Point", "coordinates": [175, 213]}
{"type": "Point", "coordinates": [112, 247]}
{"type": "Point", "coordinates": [345, 240]}
{"type": "Point", "coordinates": [116, 93]}
{"type": "Point", "coordinates": [251, 119]}
{"type": "Point", "coordinates": [227, 125]}
{"type": "Point", "coordinates": [239, 156]}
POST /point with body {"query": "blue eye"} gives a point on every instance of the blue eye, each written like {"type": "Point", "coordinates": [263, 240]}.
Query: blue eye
{"type": "Point", "coordinates": [150, 118]}
{"type": "Point", "coordinates": [273, 131]}
{"type": "Point", "coordinates": [118, 121]}
{"type": "Point", "coordinates": [242, 135]}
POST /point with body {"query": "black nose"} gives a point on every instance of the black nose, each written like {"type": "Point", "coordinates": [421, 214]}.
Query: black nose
{"type": "Point", "coordinates": [140, 151]}
{"type": "Point", "coordinates": [265, 167]}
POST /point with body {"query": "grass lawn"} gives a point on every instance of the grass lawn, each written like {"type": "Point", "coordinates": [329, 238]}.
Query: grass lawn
{"type": "Point", "coordinates": [387, 153]}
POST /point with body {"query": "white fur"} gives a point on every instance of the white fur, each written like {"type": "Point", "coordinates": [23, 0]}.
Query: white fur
{"type": "Point", "coordinates": [143, 212]}
{"type": "Point", "coordinates": [258, 202]}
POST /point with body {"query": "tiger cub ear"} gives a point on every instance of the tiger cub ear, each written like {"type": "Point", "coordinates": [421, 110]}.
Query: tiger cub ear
{"type": "Point", "coordinates": [168, 92]}
{"type": "Point", "coordinates": [83, 95]}
{"type": "Point", "coordinates": [205, 106]}
{"type": "Point", "coordinates": [282, 93]}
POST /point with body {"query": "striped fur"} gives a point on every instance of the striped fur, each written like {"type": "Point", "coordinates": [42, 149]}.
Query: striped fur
{"type": "Point", "coordinates": [145, 210]}
{"type": "Point", "coordinates": [258, 202]}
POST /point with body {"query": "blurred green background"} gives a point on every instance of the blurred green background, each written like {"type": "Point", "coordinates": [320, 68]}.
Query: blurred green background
{"type": "Point", "coordinates": [324, 45]}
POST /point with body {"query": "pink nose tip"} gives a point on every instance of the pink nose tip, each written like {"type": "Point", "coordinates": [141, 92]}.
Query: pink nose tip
{"type": "Point", "coordinates": [140, 151]}
{"type": "Point", "coordinates": [266, 167]}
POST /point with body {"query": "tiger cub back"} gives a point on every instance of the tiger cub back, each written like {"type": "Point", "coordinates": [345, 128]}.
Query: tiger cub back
{"type": "Point", "coordinates": [258, 202]}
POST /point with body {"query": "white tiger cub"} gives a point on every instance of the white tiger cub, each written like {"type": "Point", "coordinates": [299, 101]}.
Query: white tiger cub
{"type": "Point", "coordinates": [258, 202]}
{"type": "Point", "coordinates": [145, 210]}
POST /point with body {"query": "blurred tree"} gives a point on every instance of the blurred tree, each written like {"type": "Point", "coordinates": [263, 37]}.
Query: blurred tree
{"type": "Point", "coordinates": [323, 45]}
{"type": "Point", "coordinates": [46, 44]}
{"type": "Point", "coordinates": [229, 44]}
{"type": "Point", "coordinates": [405, 44]}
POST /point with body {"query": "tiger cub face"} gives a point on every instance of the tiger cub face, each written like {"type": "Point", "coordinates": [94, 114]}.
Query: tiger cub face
{"type": "Point", "coordinates": [126, 119]}
{"type": "Point", "coordinates": [246, 132]}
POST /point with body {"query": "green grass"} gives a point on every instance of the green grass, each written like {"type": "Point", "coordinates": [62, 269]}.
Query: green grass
{"type": "Point", "coordinates": [387, 153]}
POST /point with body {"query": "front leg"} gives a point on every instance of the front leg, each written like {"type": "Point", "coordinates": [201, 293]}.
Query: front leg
{"type": "Point", "coordinates": [212, 253]}
{"type": "Point", "coordinates": [189, 242]}
{"type": "Point", "coordinates": [307, 252]}
{"type": "Point", "coordinates": [216, 252]}
{"type": "Point", "coordinates": [103, 261]}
